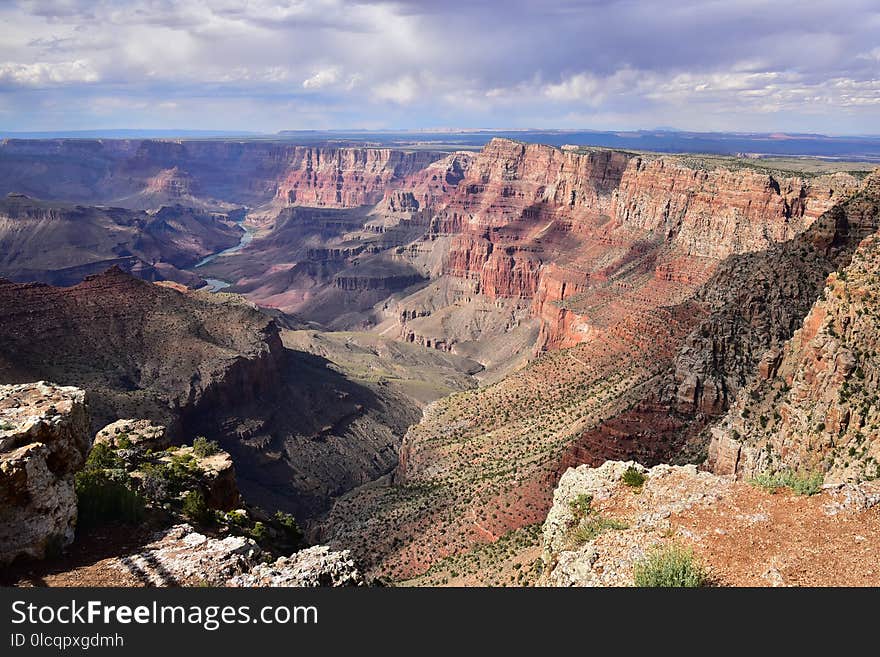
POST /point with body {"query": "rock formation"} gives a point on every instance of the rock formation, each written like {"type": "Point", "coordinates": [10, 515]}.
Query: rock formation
{"type": "Point", "coordinates": [651, 321]}
{"type": "Point", "coordinates": [181, 556]}
{"type": "Point", "coordinates": [141, 434]}
{"type": "Point", "coordinates": [813, 406]}
{"type": "Point", "coordinates": [61, 243]}
{"type": "Point", "coordinates": [599, 527]}
{"type": "Point", "coordinates": [345, 177]}
{"type": "Point", "coordinates": [314, 566]}
{"type": "Point", "coordinates": [44, 438]}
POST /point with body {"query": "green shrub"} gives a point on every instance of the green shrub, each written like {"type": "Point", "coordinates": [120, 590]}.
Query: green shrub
{"type": "Point", "coordinates": [195, 508]}
{"type": "Point", "coordinates": [107, 496]}
{"type": "Point", "coordinates": [104, 490]}
{"type": "Point", "coordinates": [103, 457]}
{"type": "Point", "coordinates": [155, 482]}
{"type": "Point", "coordinates": [163, 480]}
{"type": "Point", "coordinates": [202, 447]}
{"type": "Point", "coordinates": [633, 477]}
{"type": "Point", "coordinates": [580, 506]}
{"type": "Point", "coordinates": [259, 532]}
{"type": "Point", "coordinates": [802, 483]}
{"type": "Point", "coordinates": [289, 528]}
{"type": "Point", "coordinates": [595, 525]}
{"type": "Point", "coordinates": [180, 474]}
{"type": "Point", "coordinates": [236, 518]}
{"type": "Point", "coordinates": [671, 566]}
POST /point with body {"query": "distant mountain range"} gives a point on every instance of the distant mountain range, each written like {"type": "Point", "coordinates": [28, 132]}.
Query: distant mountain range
{"type": "Point", "coordinates": [851, 147]}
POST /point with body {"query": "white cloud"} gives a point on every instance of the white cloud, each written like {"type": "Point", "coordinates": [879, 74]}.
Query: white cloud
{"type": "Point", "coordinates": [321, 79]}
{"type": "Point", "coordinates": [41, 74]}
{"type": "Point", "coordinates": [402, 91]}
{"type": "Point", "coordinates": [582, 86]}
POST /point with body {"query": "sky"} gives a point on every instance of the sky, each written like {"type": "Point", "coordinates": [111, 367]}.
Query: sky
{"type": "Point", "coordinates": [269, 65]}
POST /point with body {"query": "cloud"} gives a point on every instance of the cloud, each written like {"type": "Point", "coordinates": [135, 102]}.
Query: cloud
{"type": "Point", "coordinates": [323, 78]}
{"type": "Point", "coordinates": [41, 74]}
{"type": "Point", "coordinates": [402, 91]}
{"type": "Point", "coordinates": [740, 64]}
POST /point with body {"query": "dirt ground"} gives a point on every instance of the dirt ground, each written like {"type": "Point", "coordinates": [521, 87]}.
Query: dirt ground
{"type": "Point", "coordinates": [92, 560]}
{"type": "Point", "coordinates": [754, 538]}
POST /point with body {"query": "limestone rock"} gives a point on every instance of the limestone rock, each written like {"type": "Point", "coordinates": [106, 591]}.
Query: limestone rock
{"type": "Point", "coordinates": [221, 488]}
{"type": "Point", "coordinates": [140, 433]}
{"type": "Point", "coordinates": [314, 566]}
{"type": "Point", "coordinates": [44, 439]}
{"type": "Point", "coordinates": [181, 556]}
{"type": "Point", "coordinates": [607, 559]}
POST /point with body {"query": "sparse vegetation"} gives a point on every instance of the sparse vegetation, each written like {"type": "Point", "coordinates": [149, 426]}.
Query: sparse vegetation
{"type": "Point", "coordinates": [195, 508]}
{"type": "Point", "coordinates": [580, 506]}
{"type": "Point", "coordinates": [595, 525]}
{"type": "Point", "coordinates": [800, 482]}
{"type": "Point", "coordinates": [203, 448]}
{"type": "Point", "coordinates": [590, 523]}
{"type": "Point", "coordinates": [289, 528]}
{"type": "Point", "coordinates": [669, 567]}
{"type": "Point", "coordinates": [633, 477]}
{"type": "Point", "coordinates": [104, 490]}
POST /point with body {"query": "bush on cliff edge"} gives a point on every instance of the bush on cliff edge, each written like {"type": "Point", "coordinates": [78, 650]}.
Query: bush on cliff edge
{"type": "Point", "coordinates": [668, 567]}
{"type": "Point", "coordinates": [104, 490]}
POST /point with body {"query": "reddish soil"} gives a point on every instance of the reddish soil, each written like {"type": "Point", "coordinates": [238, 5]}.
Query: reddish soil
{"type": "Point", "coordinates": [752, 538]}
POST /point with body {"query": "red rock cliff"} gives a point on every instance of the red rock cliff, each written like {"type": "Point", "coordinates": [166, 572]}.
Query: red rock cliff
{"type": "Point", "coordinates": [345, 177]}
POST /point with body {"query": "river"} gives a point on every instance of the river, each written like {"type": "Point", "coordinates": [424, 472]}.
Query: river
{"type": "Point", "coordinates": [216, 284]}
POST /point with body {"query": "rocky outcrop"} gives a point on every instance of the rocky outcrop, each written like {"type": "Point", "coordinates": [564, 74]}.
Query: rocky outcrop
{"type": "Point", "coordinates": [814, 405]}
{"type": "Point", "coordinates": [44, 438]}
{"type": "Point", "coordinates": [141, 434]}
{"type": "Point", "coordinates": [181, 556]}
{"type": "Point", "coordinates": [602, 525]}
{"type": "Point", "coordinates": [586, 495]}
{"type": "Point", "coordinates": [312, 567]}
{"type": "Point", "coordinates": [217, 478]}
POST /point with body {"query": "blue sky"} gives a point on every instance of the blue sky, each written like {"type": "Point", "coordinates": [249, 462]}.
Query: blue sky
{"type": "Point", "coordinates": [268, 65]}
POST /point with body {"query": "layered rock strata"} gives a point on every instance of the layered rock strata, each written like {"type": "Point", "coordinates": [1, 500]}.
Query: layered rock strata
{"type": "Point", "coordinates": [44, 439]}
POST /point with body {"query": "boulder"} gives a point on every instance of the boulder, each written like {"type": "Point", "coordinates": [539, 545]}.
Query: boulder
{"type": "Point", "coordinates": [44, 440]}
{"type": "Point", "coordinates": [181, 556]}
{"type": "Point", "coordinates": [140, 433]}
{"type": "Point", "coordinates": [314, 566]}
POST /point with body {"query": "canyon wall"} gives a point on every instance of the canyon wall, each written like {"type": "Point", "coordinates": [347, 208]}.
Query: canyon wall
{"type": "Point", "coordinates": [813, 405]}
{"type": "Point", "coordinates": [134, 173]}
{"type": "Point", "coordinates": [574, 232]}
{"type": "Point", "coordinates": [666, 282]}
{"type": "Point", "coordinates": [345, 177]}
{"type": "Point", "coordinates": [61, 243]}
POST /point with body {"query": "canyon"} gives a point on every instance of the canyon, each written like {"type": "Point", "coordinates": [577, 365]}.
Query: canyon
{"type": "Point", "coordinates": [416, 345]}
